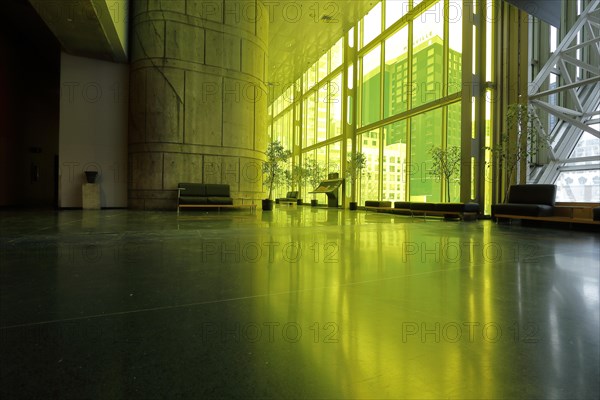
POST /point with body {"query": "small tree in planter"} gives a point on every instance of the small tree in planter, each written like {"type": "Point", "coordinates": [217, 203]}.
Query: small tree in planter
{"type": "Point", "coordinates": [446, 163]}
{"type": "Point", "coordinates": [273, 171]}
{"type": "Point", "coordinates": [355, 165]}
{"type": "Point", "coordinates": [509, 153]}
{"type": "Point", "coordinates": [315, 173]}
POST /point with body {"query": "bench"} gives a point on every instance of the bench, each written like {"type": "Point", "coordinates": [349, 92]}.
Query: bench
{"type": "Point", "coordinates": [463, 211]}
{"type": "Point", "coordinates": [552, 218]}
{"type": "Point", "coordinates": [527, 201]}
{"type": "Point", "coordinates": [290, 198]}
{"type": "Point", "coordinates": [206, 195]}
{"type": "Point", "coordinates": [536, 202]}
{"type": "Point", "coordinates": [378, 204]}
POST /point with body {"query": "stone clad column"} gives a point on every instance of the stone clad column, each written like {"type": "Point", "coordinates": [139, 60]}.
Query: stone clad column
{"type": "Point", "coordinates": [198, 99]}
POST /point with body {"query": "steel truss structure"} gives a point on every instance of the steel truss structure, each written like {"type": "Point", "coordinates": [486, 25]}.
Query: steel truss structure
{"type": "Point", "coordinates": [567, 89]}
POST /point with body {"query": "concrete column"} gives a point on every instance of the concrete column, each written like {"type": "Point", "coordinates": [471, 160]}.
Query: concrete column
{"type": "Point", "coordinates": [198, 98]}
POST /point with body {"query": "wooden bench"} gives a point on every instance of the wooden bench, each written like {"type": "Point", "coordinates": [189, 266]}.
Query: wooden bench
{"type": "Point", "coordinates": [374, 208]}
{"type": "Point", "coordinates": [571, 213]}
{"type": "Point", "coordinates": [464, 211]}
{"type": "Point", "coordinates": [551, 219]}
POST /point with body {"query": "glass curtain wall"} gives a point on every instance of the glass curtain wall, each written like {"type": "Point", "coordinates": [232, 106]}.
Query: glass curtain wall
{"type": "Point", "coordinates": [408, 90]}
{"type": "Point", "coordinates": [317, 110]}
{"type": "Point", "coordinates": [411, 77]}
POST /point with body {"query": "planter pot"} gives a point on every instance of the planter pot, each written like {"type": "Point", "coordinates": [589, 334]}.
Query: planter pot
{"type": "Point", "coordinates": [267, 205]}
{"type": "Point", "coordinates": [314, 203]}
{"type": "Point", "coordinates": [353, 205]}
{"type": "Point", "coordinates": [91, 176]}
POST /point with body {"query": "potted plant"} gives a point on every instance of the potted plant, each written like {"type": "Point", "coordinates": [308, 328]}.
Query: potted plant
{"type": "Point", "coordinates": [446, 163]}
{"type": "Point", "coordinates": [315, 173]}
{"type": "Point", "coordinates": [355, 164]}
{"type": "Point", "coordinates": [91, 176]}
{"type": "Point", "coordinates": [519, 143]}
{"type": "Point", "coordinates": [273, 172]}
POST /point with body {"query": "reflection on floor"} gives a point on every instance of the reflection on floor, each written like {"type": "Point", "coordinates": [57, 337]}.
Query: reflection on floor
{"type": "Point", "coordinates": [295, 303]}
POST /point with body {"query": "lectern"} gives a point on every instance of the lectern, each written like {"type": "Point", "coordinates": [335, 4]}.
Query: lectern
{"type": "Point", "coordinates": [331, 188]}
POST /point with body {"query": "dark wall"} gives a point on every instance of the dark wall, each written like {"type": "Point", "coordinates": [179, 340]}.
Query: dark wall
{"type": "Point", "coordinates": [29, 108]}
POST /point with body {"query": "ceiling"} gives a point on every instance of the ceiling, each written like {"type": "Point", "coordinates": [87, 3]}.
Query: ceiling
{"type": "Point", "coordinates": [27, 29]}
{"type": "Point", "coordinates": [300, 31]}
{"type": "Point", "coordinates": [547, 10]}
{"type": "Point", "coordinates": [84, 28]}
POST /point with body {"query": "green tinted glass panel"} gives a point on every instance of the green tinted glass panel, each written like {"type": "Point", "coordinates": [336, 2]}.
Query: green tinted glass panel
{"type": "Point", "coordinates": [370, 86]}
{"type": "Point", "coordinates": [455, 21]}
{"type": "Point", "coordinates": [453, 140]}
{"type": "Point", "coordinates": [396, 73]}
{"type": "Point", "coordinates": [428, 56]}
{"type": "Point", "coordinates": [425, 132]}
{"type": "Point", "coordinates": [369, 181]}
{"type": "Point", "coordinates": [394, 162]}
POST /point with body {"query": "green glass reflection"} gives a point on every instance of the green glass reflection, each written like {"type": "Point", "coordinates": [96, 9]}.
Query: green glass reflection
{"type": "Point", "coordinates": [453, 139]}
{"type": "Point", "coordinates": [369, 181]}
{"type": "Point", "coordinates": [370, 89]}
{"type": "Point", "coordinates": [394, 162]}
{"type": "Point", "coordinates": [425, 132]}
{"type": "Point", "coordinates": [396, 73]}
{"type": "Point", "coordinates": [428, 56]}
{"type": "Point", "coordinates": [455, 16]}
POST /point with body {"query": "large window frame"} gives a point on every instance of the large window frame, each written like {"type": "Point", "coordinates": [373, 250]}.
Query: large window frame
{"type": "Point", "coordinates": [475, 116]}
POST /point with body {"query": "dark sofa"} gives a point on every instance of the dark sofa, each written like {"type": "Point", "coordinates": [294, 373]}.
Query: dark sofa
{"type": "Point", "coordinates": [528, 200]}
{"type": "Point", "coordinates": [204, 194]}
{"type": "Point", "coordinates": [289, 197]}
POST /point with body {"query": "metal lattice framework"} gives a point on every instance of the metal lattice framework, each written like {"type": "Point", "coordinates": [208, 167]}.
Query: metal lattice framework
{"type": "Point", "coordinates": [567, 88]}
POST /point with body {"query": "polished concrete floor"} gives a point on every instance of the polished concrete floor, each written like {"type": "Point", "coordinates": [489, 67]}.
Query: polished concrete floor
{"type": "Point", "coordinates": [298, 303]}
